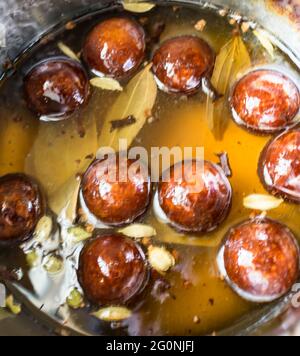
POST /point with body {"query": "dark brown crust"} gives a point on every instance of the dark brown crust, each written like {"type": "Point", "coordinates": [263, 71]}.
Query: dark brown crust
{"type": "Point", "coordinates": [21, 207]}
{"type": "Point", "coordinates": [200, 211]}
{"type": "Point", "coordinates": [273, 98]}
{"type": "Point", "coordinates": [63, 79]}
{"type": "Point", "coordinates": [125, 201]}
{"type": "Point", "coordinates": [112, 270]}
{"type": "Point", "coordinates": [261, 258]}
{"type": "Point", "coordinates": [123, 40]}
{"type": "Point", "coordinates": [269, 158]}
{"type": "Point", "coordinates": [189, 57]}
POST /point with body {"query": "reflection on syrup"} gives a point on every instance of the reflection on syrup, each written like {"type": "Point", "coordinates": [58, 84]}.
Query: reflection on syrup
{"type": "Point", "coordinates": [198, 302]}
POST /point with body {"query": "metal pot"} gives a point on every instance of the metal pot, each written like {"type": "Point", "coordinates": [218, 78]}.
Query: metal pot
{"type": "Point", "coordinates": [24, 22]}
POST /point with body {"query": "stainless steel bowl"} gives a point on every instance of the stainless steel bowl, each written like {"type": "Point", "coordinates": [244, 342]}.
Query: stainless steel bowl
{"type": "Point", "coordinates": [24, 22]}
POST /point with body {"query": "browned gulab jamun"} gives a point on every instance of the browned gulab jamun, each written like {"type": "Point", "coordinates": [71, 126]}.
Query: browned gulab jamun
{"type": "Point", "coordinates": [112, 270]}
{"type": "Point", "coordinates": [181, 63]}
{"type": "Point", "coordinates": [21, 207]}
{"type": "Point", "coordinates": [260, 260]}
{"type": "Point", "coordinates": [195, 199]}
{"type": "Point", "coordinates": [116, 191]}
{"type": "Point", "coordinates": [115, 47]}
{"type": "Point", "coordinates": [56, 88]}
{"type": "Point", "coordinates": [279, 166]}
{"type": "Point", "coordinates": [265, 101]}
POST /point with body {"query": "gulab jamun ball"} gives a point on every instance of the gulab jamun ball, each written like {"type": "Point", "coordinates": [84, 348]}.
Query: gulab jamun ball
{"type": "Point", "coordinates": [112, 270]}
{"type": "Point", "coordinates": [181, 63]}
{"type": "Point", "coordinates": [21, 207]}
{"type": "Point", "coordinates": [279, 166]}
{"type": "Point", "coordinates": [115, 47]}
{"type": "Point", "coordinates": [193, 200]}
{"type": "Point", "coordinates": [260, 260]}
{"type": "Point", "coordinates": [56, 88]}
{"type": "Point", "coordinates": [116, 191]}
{"type": "Point", "coordinates": [265, 101]}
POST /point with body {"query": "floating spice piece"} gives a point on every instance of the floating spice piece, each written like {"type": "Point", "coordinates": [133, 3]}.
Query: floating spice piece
{"type": "Point", "coordinates": [200, 25]}
{"type": "Point", "coordinates": [262, 202]}
{"type": "Point", "coordinates": [43, 228]}
{"type": "Point", "coordinates": [223, 12]}
{"type": "Point", "coordinates": [136, 100]}
{"type": "Point", "coordinates": [68, 51]}
{"type": "Point", "coordinates": [196, 319]}
{"type": "Point", "coordinates": [53, 264]}
{"type": "Point", "coordinates": [70, 26]}
{"type": "Point", "coordinates": [264, 38]}
{"type": "Point", "coordinates": [232, 59]}
{"type": "Point", "coordinates": [245, 27]}
{"type": "Point", "coordinates": [106, 84]}
{"type": "Point", "coordinates": [120, 124]}
{"type": "Point", "coordinates": [75, 299]}
{"type": "Point", "coordinates": [14, 307]}
{"type": "Point", "coordinates": [138, 231]}
{"type": "Point", "coordinates": [79, 234]}
{"type": "Point", "coordinates": [225, 164]}
{"type": "Point", "coordinates": [160, 259]}
{"type": "Point", "coordinates": [32, 259]}
{"type": "Point", "coordinates": [113, 314]}
{"type": "Point", "coordinates": [137, 6]}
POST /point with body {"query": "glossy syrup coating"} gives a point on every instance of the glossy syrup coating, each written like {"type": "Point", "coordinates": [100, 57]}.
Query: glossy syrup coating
{"type": "Point", "coordinates": [112, 270]}
{"type": "Point", "coordinates": [261, 259]}
{"type": "Point", "coordinates": [181, 63]}
{"type": "Point", "coordinates": [200, 200]}
{"type": "Point", "coordinates": [56, 88]}
{"type": "Point", "coordinates": [117, 192]}
{"type": "Point", "coordinates": [115, 47]}
{"type": "Point", "coordinates": [279, 166]}
{"type": "Point", "coordinates": [265, 101]}
{"type": "Point", "coordinates": [21, 207]}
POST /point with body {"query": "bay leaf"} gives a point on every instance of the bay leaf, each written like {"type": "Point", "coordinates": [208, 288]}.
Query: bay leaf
{"type": "Point", "coordinates": [137, 100]}
{"type": "Point", "coordinates": [138, 6]}
{"type": "Point", "coordinates": [233, 59]}
{"type": "Point", "coordinates": [106, 84]}
{"type": "Point", "coordinates": [61, 151]}
{"type": "Point", "coordinates": [68, 51]}
{"type": "Point", "coordinates": [265, 41]}
{"type": "Point", "coordinates": [160, 259]}
{"type": "Point", "coordinates": [194, 241]}
{"type": "Point", "coordinates": [63, 202]}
